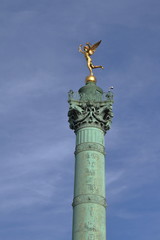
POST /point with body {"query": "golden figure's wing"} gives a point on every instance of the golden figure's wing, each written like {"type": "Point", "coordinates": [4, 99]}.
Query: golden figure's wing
{"type": "Point", "coordinates": [94, 46]}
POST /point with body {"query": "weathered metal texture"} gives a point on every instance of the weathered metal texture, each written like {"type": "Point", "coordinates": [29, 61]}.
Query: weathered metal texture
{"type": "Point", "coordinates": [90, 107]}
{"type": "Point", "coordinates": [90, 116]}
{"type": "Point", "coordinates": [89, 188]}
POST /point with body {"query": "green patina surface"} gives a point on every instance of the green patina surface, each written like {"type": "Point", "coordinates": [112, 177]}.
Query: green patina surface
{"type": "Point", "coordinates": [90, 115]}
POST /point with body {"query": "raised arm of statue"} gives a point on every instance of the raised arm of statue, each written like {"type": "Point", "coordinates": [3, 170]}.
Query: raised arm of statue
{"type": "Point", "coordinates": [80, 49]}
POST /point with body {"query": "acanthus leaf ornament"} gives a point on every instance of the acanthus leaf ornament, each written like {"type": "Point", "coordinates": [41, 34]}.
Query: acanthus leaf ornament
{"type": "Point", "coordinates": [90, 112]}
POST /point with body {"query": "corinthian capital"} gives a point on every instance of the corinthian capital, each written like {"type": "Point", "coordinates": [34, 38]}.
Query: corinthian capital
{"type": "Point", "coordinates": [90, 110]}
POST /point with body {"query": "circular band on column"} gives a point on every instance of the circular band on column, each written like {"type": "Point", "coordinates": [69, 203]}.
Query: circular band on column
{"type": "Point", "coordinates": [89, 198]}
{"type": "Point", "coordinates": [90, 146]}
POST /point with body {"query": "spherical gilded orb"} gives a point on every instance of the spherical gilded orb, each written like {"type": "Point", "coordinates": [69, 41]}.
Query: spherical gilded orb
{"type": "Point", "coordinates": [90, 78]}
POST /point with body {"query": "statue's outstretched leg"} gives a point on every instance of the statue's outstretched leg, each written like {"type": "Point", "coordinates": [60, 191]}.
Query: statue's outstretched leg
{"type": "Point", "coordinates": [97, 66]}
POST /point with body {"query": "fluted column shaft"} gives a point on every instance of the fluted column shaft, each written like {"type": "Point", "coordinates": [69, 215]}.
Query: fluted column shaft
{"type": "Point", "coordinates": [89, 213]}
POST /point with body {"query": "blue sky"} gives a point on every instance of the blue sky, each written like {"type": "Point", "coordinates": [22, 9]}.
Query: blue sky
{"type": "Point", "coordinates": [40, 63]}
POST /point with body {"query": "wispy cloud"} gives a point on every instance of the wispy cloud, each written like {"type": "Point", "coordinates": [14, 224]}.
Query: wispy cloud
{"type": "Point", "coordinates": [40, 62]}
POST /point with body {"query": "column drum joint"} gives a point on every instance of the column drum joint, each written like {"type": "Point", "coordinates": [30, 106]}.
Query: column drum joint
{"type": "Point", "coordinates": [90, 146]}
{"type": "Point", "coordinates": [89, 198]}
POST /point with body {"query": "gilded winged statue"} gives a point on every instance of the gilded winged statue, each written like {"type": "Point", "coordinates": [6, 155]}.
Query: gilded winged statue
{"type": "Point", "coordinates": [89, 50]}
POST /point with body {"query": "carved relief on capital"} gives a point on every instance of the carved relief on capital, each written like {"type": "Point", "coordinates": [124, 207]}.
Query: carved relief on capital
{"type": "Point", "coordinates": [91, 113]}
